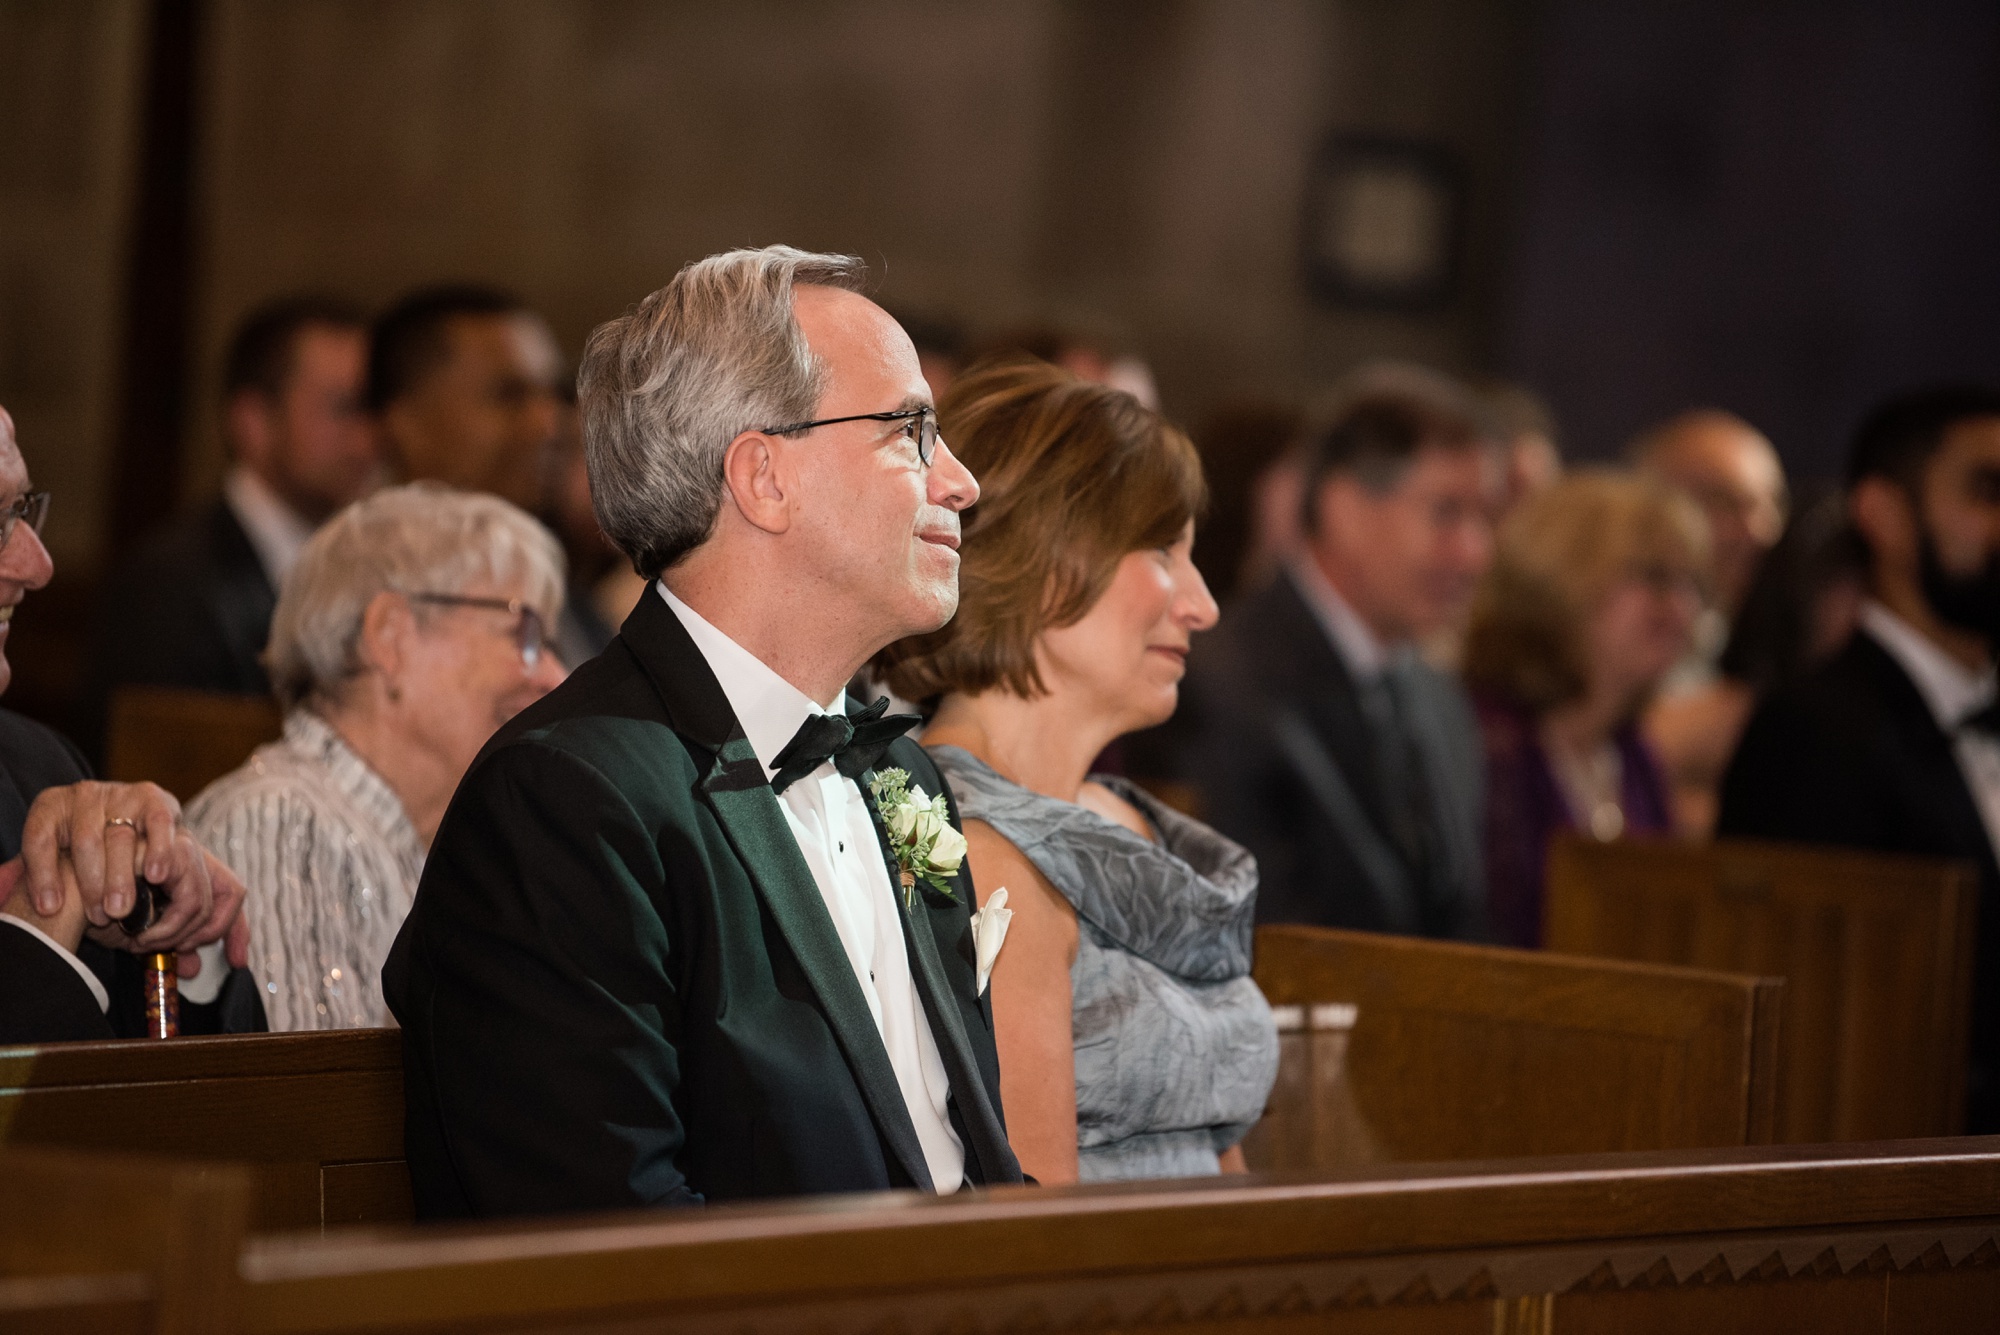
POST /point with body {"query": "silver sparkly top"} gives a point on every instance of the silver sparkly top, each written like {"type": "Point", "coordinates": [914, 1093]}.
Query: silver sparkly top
{"type": "Point", "coordinates": [1175, 1047]}
{"type": "Point", "coordinates": [331, 864]}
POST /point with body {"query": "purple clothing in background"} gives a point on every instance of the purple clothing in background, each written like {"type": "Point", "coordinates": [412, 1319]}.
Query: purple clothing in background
{"type": "Point", "coordinates": [1525, 809]}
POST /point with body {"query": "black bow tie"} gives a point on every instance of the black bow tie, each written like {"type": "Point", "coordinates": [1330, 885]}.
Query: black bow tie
{"type": "Point", "coordinates": [853, 742]}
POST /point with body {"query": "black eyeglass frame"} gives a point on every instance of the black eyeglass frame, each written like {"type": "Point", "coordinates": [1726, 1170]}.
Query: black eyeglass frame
{"type": "Point", "coordinates": [530, 631]}
{"type": "Point", "coordinates": [927, 430]}
{"type": "Point", "coordinates": [33, 507]}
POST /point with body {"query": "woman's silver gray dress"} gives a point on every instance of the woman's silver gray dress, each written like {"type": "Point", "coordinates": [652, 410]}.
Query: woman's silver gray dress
{"type": "Point", "coordinates": [1175, 1048]}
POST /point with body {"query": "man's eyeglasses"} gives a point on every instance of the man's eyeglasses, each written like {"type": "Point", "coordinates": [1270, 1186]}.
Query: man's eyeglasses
{"type": "Point", "coordinates": [33, 507]}
{"type": "Point", "coordinates": [530, 635]}
{"type": "Point", "coordinates": [921, 427]}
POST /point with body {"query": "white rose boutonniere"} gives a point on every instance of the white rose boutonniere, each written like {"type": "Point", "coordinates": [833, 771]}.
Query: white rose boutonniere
{"type": "Point", "coordinates": [927, 848]}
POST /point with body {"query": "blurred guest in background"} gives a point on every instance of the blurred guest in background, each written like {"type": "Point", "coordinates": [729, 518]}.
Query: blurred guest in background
{"type": "Point", "coordinates": [587, 624]}
{"type": "Point", "coordinates": [1250, 454]}
{"type": "Point", "coordinates": [463, 382]}
{"type": "Point", "coordinates": [1803, 605]}
{"type": "Point", "coordinates": [192, 605]}
{"type": "Point", "coordinates": [72, 850]}
{"type": "Point", "coordinates": [1313, 731]}
{"type": "Point", "coordinates": [1527, 432]}
{"type": "Point", "coordinates": [1132, 1042]}
{"type": "Point", "coordinates": [1592, 595]}
{"type": "Point", "coordinates": [413, 627]}
{"type": "Point", "coordinates": [1083, 356]}
{"type": "Point", "coordinates": [1892, 744]}
{"type": "Point", "coordinates": [1732, 472]}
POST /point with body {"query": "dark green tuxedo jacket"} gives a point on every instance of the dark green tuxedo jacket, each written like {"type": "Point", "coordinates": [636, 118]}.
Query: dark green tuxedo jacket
{"type": "Point", "coordinates": [619, 985]}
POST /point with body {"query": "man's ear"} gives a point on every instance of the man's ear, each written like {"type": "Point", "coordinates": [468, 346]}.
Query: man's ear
{"type": "Point", "coordinates": [758, 481]}
{"type": "Point", "coordinates": [1886, 518]}
{"type": "Point", "coordinates": [250, 427]}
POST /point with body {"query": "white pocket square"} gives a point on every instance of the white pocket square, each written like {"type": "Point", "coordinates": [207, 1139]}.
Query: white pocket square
{"type": "Point", "coordinates": [989, 930]}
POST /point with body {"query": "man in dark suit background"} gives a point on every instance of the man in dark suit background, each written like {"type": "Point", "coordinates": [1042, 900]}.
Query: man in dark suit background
{"type": "Point", "coordinates": [660, 954]}
{"type": "Point", "coordinates": [70, 848]}
{"type": "Point", "coordinates": [1894, 745]}
{"type": "Point", "coordinates": [1313, 731]}
{"type": "Point", "coordinates": [191, 606]}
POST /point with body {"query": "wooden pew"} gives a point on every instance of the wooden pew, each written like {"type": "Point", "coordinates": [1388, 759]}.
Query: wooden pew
{"type": "Point", "coordinates": [1898, 1237]}
{"type": "Point", "coordinates": [1876, 953]}
{"type": "Point", "coordinates": [183, 740]}
{"type": "Point", "coordinates": [105, 1243]}
{"type": "Point", "coordinates": [319, 1117]}
{"type": "Point", "coordinates": [1394, 1049]}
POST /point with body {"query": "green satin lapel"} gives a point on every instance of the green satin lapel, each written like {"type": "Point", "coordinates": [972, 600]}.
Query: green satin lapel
{"type": "Point", "coordinates": [749, 813]}
{"type": "Point", "coordinates": [942, 1006]}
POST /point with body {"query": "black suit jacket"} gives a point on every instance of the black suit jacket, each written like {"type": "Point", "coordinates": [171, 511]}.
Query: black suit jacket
{"type": "Point", "coordinates": [1270, 730]}
{"type": "Point", "coordinates": [619, 985]}
{"type": "Point", "coordinates": [1852, 756]}
{"type": "Point", "coordinates": [190, 607]}
{"type": "Point", "coordinates": [42, 999]}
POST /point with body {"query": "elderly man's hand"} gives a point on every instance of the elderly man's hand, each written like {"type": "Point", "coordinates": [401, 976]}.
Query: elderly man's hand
{"type": "Point", "coordinates": [112, 833]}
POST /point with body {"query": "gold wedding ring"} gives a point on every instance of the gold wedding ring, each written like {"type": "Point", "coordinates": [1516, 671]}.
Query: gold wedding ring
{"type": "Point", "coordinates": [126, 821]}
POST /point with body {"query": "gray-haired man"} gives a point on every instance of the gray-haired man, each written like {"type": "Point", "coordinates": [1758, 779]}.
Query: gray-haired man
{"type": "Point", "coordinates": [660, 953]}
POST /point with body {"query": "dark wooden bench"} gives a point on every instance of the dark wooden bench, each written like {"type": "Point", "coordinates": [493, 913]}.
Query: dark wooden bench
{"type": "Point", "coordinates": [319, 1117]}
{"type": "Point", "coordinates": [1899, 1237]}
{"type": "Point", "coordinates": [1394, 1049]}
{"type": "Point", "coordinates": [1876, 954]}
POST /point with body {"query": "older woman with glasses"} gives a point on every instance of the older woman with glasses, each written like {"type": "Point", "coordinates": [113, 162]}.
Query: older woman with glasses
{"type": "Point", "coordinates": [413, 626]}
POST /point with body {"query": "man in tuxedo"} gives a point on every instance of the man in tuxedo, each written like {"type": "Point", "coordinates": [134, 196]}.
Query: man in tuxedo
{"type": "Point", "coordinates": [1314, 733]}
{"type": "Point", "coordinates": [70, 849]}
{"type": "Point", "coordinates": [192, 604]}
{"type": "Point", "coordinates": [1894, 744]}
{"type": "Point", "coordinates": [660, 954]}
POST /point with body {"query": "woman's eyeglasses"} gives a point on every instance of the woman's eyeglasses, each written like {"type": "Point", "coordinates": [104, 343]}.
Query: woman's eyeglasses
{"type": "Point", "coordinates": [530, 635]}
{"type": "Point", "coordinates": [921, 428]}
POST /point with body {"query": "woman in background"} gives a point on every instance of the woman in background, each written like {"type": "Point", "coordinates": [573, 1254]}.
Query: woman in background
{"type": "Point", "coordinates": [1591, 597]}
{"type": "Point", "coordinates": [415, 623]}
{"type": "Point", "coordinates": [1133, 1043]}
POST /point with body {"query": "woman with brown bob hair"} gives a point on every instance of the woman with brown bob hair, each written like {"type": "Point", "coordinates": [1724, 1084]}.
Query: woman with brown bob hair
{"type": "Point", "coordinates": [1133, 1043]}
{"type": "Point", "coordinates": [1592, 594]}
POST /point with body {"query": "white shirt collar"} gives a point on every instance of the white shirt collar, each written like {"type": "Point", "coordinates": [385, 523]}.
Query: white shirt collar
{"type": "Point", "coordinates": [769, 707]}
{"type": "Point", "coordinates": [277, 532]}
{"type": "Point", "coordinates": [1365, 655]}
{"type": "Point", "coordinates": [1952, 690]}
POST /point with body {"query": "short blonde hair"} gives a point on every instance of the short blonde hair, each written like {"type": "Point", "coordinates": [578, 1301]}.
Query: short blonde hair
{"type": "Point", "coordinates": [421, 538]}
{"type": "Point", "coordinates": [1558, 555]}
{"type": "Point", "coordinates": [1072, 477]}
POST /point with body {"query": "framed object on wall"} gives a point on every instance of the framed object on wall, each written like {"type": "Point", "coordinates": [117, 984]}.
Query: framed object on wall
{"type": "Point", "coordinates": [1382, 225]}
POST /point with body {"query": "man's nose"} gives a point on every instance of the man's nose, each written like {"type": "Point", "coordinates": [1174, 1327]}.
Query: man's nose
{"type": "Point", "coordinates": [951, 483]}
{"type": "Point", "coordinates": [25, 559]}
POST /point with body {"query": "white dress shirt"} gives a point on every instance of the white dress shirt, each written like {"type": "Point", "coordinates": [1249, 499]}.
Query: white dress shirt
{"type": "Point", "coordinates": [1954, 693]}
{"type": "Point", "coordinates": [277, 533]}
{"type": "Point", "coordinates": [836, 835]}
